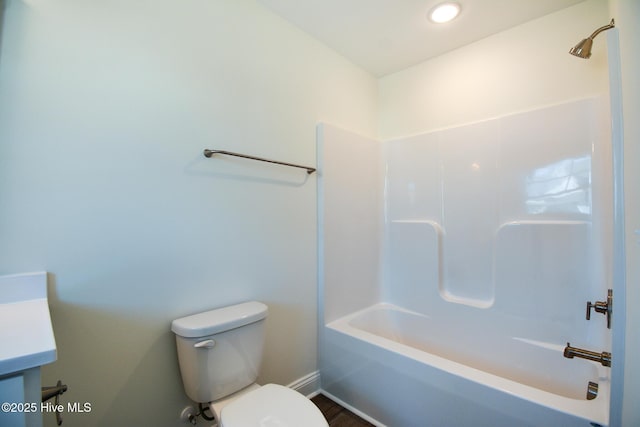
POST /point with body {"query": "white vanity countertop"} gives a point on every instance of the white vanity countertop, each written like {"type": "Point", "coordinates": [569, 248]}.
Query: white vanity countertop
{"type": "Point", "coordinates": [26, 333]}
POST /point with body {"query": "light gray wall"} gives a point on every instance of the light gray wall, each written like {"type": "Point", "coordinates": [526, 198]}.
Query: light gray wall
{"type": "Point", "coordinates": [524, 68]}
{"type": "Point", "coordinates": [520, 69]}
{"type": "Point", "coordinates": [105, 108]}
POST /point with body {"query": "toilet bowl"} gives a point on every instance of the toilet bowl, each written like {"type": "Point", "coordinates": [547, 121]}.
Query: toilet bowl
{"type": "Point", "coordinates": [219, 353]}
{"type": "Point", "coordinates": [271, 405]}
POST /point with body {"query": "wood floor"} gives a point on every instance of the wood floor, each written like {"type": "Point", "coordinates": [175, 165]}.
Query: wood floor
{"type": "Point", "coordinates": [336, 415]}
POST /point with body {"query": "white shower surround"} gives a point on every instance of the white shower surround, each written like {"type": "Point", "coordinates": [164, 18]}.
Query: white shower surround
{"type": "Point", "coordinates": [495, 231]}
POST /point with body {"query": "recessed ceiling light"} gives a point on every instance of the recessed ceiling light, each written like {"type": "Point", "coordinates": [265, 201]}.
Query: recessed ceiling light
{"type": "Point", "coordinates": [444, 12]}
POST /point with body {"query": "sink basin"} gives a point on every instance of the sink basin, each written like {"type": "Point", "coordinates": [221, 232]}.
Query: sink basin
{"type": "Point", "coordinates": [26, 333]}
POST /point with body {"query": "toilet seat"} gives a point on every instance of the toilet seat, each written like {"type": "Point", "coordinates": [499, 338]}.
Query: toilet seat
{"type": "Point", "coordinates": [272, 405]}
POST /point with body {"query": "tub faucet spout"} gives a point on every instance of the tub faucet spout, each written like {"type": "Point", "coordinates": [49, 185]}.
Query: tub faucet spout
{"type": "Point", "coordinates": [604, 358]}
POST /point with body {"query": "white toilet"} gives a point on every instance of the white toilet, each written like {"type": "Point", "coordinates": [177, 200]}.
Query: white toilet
{"type": "Point", "coordinates": [220, 352]}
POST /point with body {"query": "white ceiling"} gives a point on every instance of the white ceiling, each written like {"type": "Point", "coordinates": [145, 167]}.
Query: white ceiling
{"type": "Point", "coordinates": [385, 36]}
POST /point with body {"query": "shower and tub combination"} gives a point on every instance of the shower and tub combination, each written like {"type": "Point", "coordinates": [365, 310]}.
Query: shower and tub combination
{"type": "Point", "coordinates": [465, 273]}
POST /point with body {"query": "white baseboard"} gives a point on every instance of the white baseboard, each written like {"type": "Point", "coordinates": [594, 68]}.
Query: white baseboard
{"type": "Point", "coordinates": [309, 385]}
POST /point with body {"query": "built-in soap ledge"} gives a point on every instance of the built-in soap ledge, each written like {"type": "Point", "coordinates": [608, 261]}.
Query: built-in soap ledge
{"type": "Point", "coordinates": [437, 228]}
{"type": "Point", "coordinates": [26, 332]}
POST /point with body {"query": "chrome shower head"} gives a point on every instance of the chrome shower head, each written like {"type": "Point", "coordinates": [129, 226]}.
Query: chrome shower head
{"type": "Point", "coordinates": [583, 49]}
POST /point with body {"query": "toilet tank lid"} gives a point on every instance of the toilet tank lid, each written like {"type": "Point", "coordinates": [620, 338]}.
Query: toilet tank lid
{"type": "Point", "coordinates": [219, 320]}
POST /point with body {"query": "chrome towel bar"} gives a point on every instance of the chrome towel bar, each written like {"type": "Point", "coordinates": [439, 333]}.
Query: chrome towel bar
{"type": "Point", "coordinates": [209, 153]}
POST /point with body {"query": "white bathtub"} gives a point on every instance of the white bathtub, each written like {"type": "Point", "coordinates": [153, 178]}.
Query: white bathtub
{"type": "Point", "coordinates": [402, 369]}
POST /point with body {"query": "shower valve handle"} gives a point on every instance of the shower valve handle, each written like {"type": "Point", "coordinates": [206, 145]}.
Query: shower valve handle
{"type": "Point", "coordinates": [604, 307]}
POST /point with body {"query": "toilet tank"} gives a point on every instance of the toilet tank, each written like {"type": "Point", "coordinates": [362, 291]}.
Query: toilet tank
{"type": "Point", "coordinates": [220, 351]}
